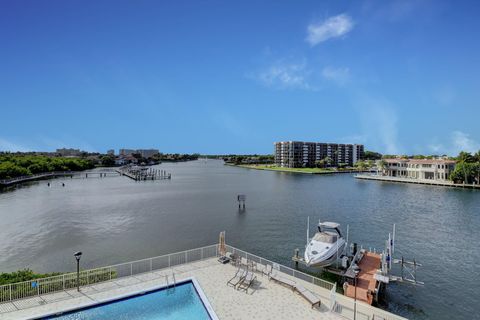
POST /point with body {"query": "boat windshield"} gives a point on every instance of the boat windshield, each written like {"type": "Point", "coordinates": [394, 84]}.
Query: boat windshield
{"type": "Point", "coordinates": [329, 230]}
{"type": "Point", "coordinates": [325, 237]}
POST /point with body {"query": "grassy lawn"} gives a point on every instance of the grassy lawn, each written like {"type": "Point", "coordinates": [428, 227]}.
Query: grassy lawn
{"type": "Point", "coordinates": [275, 168]}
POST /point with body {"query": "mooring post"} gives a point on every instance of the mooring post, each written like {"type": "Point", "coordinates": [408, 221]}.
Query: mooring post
{"type": "Point", "coordinates": [241, 200]}
{"type": "Point", "coordinates": [296, 257]}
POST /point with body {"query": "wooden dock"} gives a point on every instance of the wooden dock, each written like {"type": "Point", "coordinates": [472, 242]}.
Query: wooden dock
{"type": "Point", "coordinates": [366, 283]}
{"type": "Point", "coordinates": [57, 174]}
{"type": "Point", "coordinates": [143, 174]}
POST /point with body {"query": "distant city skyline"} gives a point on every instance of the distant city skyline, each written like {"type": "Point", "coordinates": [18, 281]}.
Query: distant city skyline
{"type": "Point", "coordinates": [400, 77]}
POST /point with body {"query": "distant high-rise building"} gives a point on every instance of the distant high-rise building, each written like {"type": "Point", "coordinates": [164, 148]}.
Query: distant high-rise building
{"type": "Point", "coordinates": [111, 152]}
{"type": "Point", "coordinates": [298, 154]}
{"type": "Point", "coordinates": [69, 152]}
{"type": "Point", "coordinates": [148, 153]}
{"type": "Point", "coordinates": [124, 152]}
{"type": "Point", "coordinates": [145, 153]}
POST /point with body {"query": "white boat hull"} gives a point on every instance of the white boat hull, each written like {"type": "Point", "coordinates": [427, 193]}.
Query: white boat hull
{"type": "Point", "coordinates": [324, 258]}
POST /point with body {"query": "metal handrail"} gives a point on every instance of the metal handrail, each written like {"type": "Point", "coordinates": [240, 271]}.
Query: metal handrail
{"type": "Point", "coordinates": [37, 287]}
{"type": "Point", "coordinates": [328, 285]}
{"type": "Point", "coordinates": [19, 290]}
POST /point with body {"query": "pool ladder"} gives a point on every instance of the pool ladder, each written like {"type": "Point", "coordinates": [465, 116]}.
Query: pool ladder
{"type": "Point", "coordinates": [174, 281]}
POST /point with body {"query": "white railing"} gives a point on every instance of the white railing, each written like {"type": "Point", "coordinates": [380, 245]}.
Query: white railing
{"type": "Point", "coordinates": [338, 303]}
{"type": "Point", "coordinates": [37, 287]}
{"type": "Point", "coordinates": [292, 272]}
{"type": "Point", "coordinates": [333, 293]}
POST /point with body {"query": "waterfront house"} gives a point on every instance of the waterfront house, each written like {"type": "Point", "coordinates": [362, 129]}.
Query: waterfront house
{"type": "Point", "coordinates": [420, 169]}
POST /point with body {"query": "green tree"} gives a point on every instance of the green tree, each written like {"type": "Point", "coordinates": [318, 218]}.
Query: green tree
{"type": "Point", "coordinates": [465, 157]}
{"type": "Point", "coordinates": [382, 164]}
{"type": "Point", "coordinates": [320, 163]}
{"type": "Point", "coordinates": [361, 165]}
{"type": "Point", "coordinates": [477, 156]}
{"type": "Point", "coordinates": [328, 161]}
{"type": "Point", "coordinates": [108, 160]}
{"type": "Point", "coordinates": [465, 172]}
{"type": "Point", "coordinates": [16, 165]}
{"type": "Point", "coordinates": [10, 170]}
{"type": "Point", "coordinates": [370, 155]}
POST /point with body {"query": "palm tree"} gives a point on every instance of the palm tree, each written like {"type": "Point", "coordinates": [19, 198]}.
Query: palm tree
{"type": "Point", "coordinates": [465, 157]}
{"type": "Point", "coordinates": [328, 160]}
{"type": "Point", "coordinates": [382, 164]}
{"type": "Point", "coordinates": [477, 156]}
{"type": "Point", "coordinates": [320, 163]}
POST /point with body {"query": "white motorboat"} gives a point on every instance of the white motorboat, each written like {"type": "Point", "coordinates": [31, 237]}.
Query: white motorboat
{"type": "Point", "coordinates": [326, 245]}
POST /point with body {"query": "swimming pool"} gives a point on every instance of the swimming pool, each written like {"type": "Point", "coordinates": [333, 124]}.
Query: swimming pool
{"type": "Point", "coordinates": [184, 301]}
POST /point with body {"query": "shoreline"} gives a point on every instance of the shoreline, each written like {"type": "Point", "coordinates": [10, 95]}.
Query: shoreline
{"type": "Point", "coordinates": [416, 181]}
{"type": "Point", "coordinates": [294, 170]}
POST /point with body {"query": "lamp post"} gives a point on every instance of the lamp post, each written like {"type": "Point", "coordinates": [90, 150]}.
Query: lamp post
{"type": "Point", "coordinates": [77, 256]}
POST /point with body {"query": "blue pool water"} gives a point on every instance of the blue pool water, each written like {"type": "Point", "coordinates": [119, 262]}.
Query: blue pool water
{"type": "Point", "coordinates": [181, 302]}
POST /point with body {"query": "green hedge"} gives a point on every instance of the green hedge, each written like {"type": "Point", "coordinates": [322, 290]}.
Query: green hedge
{"type": "Point", "coordinates": [13, 165]}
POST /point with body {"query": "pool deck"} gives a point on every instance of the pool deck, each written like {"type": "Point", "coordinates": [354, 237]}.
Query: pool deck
{"type": "Point", "coordinates": [265, 300]}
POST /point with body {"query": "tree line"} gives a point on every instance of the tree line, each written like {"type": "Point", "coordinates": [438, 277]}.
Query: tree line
{"type": "Point", "coordinates": [467, 169]}
{"type": "Point", "coordinates": [17, 165]}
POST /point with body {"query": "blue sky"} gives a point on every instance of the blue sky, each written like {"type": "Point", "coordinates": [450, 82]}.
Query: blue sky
{"type": "Point", "coordinates": [233, 77]}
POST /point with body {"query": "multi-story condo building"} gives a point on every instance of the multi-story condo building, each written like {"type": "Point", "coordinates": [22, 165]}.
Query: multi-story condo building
{"type": "Point", "coordinates": [298, 154]}
{"type": "Point", "coordinates": [420, 169]}
{"type": "Point", "coordinates": [145, 153]}
{"type": "Point", "coordinates": [69, 152]}
{"type": "Point", "coordinates": [124, 152]}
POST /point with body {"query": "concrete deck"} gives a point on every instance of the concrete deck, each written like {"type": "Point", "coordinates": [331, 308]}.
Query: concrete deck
{"type": "Point", "coordinates": [265, 300]}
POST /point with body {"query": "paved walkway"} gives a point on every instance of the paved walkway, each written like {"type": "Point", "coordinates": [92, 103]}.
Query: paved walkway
{"type": "Point", "coordinates": [266, 299]}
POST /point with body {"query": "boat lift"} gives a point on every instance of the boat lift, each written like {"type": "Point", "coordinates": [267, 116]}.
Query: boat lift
{"type": "Point", "coordinates": [352, 261]}
{"type": "Point", "coordinates": [408, 268]}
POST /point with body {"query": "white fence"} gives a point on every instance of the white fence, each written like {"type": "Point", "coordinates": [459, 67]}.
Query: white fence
{"type": "Point", "coordinates": [36, 287]}
{"type": "Point", "coordinates": [292, 272]}
{"type": "Point", "coordinates": [338, 303]}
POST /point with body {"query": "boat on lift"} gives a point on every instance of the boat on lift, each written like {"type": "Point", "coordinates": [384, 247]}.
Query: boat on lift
{"type": "Point", "coordinates": [325, 246]}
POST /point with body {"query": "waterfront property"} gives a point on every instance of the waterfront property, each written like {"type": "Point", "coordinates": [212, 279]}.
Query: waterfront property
{"type": "Point", "coordinates": [420, 169]}
{"type": "Point", "coordinates": [265, 299]}
{"type": "Point", "coordinates": [299, 154]}
{"type": "Point", "coordinates": [123, 221]}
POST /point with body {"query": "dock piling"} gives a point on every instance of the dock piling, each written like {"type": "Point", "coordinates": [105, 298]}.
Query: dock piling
{"type": "Point", "coordinates": [241, 200]}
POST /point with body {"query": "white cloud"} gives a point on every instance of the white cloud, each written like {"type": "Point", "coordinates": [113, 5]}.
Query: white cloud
{"type": "Point", "coordinates": [284, 75]}
{"type": "Point", "coordinates": [458, 141]}
{"type": "Point", "coordinates": [379, 123]}
{"type": "Point", "coordinates": [436, 148]}
{"type": "Point", "coordinates": [463, 142]}
{"type": "Point", "coordinates": [338, 75]}
{"type": "Point", "coordinates": [7, 145]}
{"type": "Point", "coordinates": [332, 27]}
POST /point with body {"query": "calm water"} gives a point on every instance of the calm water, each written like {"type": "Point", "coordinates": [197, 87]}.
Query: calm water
{"type": "Point", "coordinates": [115, 219]}
{"type": "Point", "coordinates": [181, 303]}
